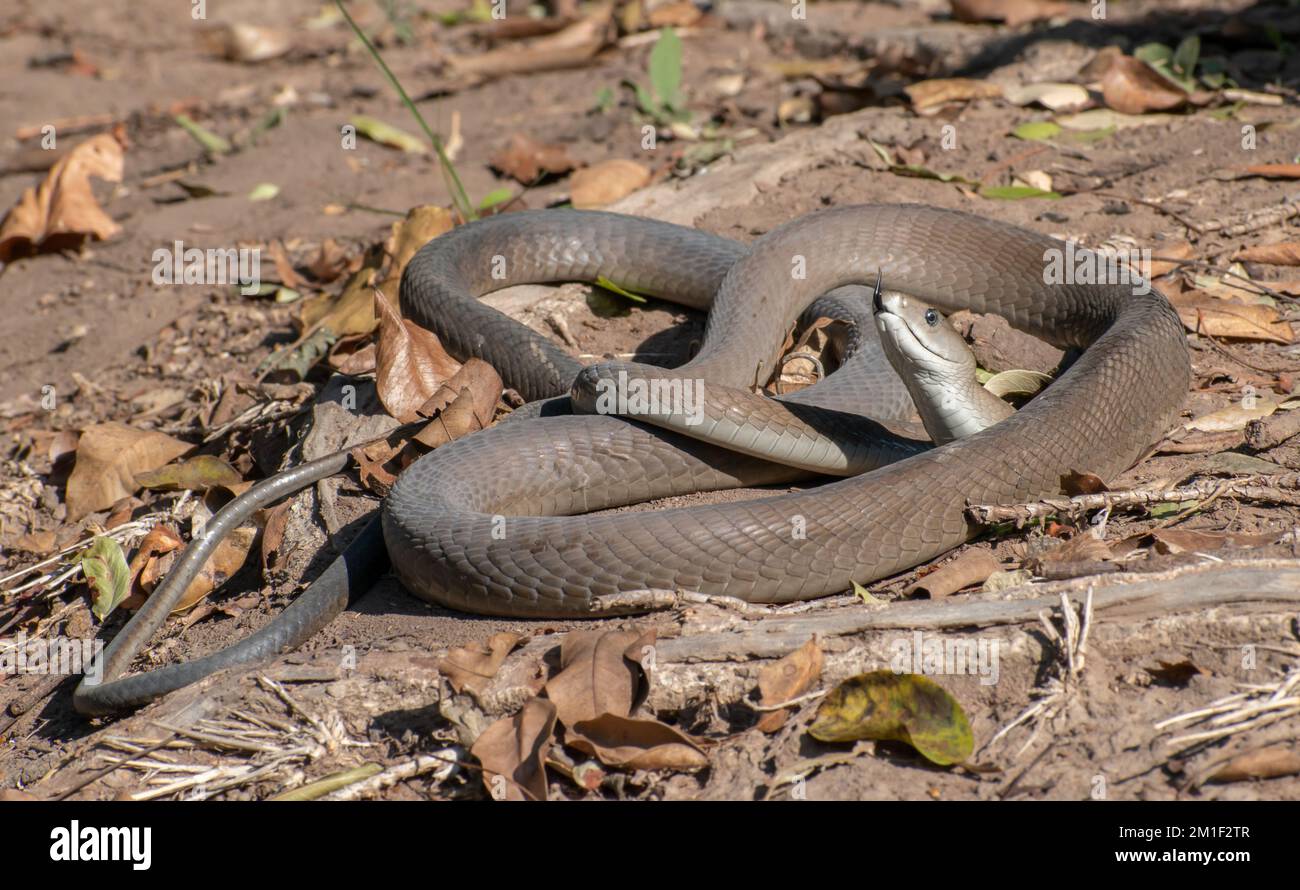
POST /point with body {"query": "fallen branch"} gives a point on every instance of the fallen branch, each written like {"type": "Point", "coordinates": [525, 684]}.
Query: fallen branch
{"type": "Point", "coordinates": [1127, 595]}
{"type": "Point", "coordinates": [1280, 489]}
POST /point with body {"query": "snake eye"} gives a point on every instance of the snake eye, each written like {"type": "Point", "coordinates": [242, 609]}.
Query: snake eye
{"type": "Point", "coordinates": [931, 317]}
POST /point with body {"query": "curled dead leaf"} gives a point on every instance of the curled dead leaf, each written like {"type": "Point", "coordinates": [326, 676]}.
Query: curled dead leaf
{"type": "Point", "coordinates": [62, 212]}
{"type": "Point", "coordinates": [600, 673]}
{"type": "Point", "coordinates": [411, 364]}
{"type": "Point", "coordinates": [515, 748]}
{"type": "Point", "coordinates": [637, 744]}
{"type": "Point", "coordinates": [472, 667]}
{"type": "Point", "coordinates": [1131, 86]}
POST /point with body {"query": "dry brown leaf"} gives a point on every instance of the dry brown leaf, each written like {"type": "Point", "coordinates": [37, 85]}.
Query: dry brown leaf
{"type": "Point", "coordinates": [1179, 250]}
{"type": "Point", "coordinates": [1271, 762]}
{"type": "Point", "coordinates": [1285, 253]}
{"type": "Point", "coordinates": [515, 748]}
{"type": "Point", "coordinates": [37, 543]}
{"type": "Point", "coordinates": [637, 744]}
{"type": "Point", "coordinates": [940, 91]}
{"type": "Point", "coordinates": [600, 673]}
{"type": "Point", "coordinates": [144, 568]}
{"type": "Point", "coordinates": [1131, 86]}
{"type": "Point", "coordinates": [283, 265]}
{"type": "Point", "coordinates": [1275, 171]}
{"type": "Point", "coordinates": [464, 404]}
{"type": "Point", "coordinates": [972, 567]}
{"type": "Point", "coordinates": [1177, 540]}
{"type": "Point", "coordinates": [1075, 483]}
{"type": "Point", "coordinates": [527, 160]}
{"type": "Point", "coordinates": [606, 182]}
{"type": "Point", "coordinates": [473, 667]}
{"type": "Point", "coordinates": [411, 364]}
{"type": "Point", "coordinates": [273, 536]}
{"type": "Point", "coordinates": [199, 473]}
{"type": "Point", "coordinates": [330, 262]}
{"type": "Point", "coordinates": [62, 212]}
{"type": "Point", "coordinates": [109, 457]}
{"type": "Point", "coordinates": [787, 679]}
{"type": "Point", "coordinates": [225, 561]}
{"type": "Point", "coordinates": [1013, 12]}
{"type": "Point", "coordinates": [571, 47]}
{"type": "Point", "coordinates": [679, 14]}
{"type": "Point", "coordinates": [1231, 320]}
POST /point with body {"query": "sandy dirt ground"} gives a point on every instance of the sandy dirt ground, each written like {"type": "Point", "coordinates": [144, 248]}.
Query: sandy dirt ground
{"type": "Point", "coordinates": [89, 337]}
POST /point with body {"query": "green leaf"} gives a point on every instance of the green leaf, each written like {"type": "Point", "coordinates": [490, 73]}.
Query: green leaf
{"type": "Point", "coordinates": [104, 565]}
{"type": "Point", "coordinates": [602, 281]}
{"type": "Point", "coordinates": [1015, 192]}
{"type": "Point", "coordinates": [906, 708]}
{"type": "Point", "coordinates": [604, 100]}
{"type": "Point", "coordinates": [493, 198]}
{"type": "Point", "coordinates": [1036, 130]}
{"type": "Point", "coordinates": [386, 134]}
{"type": "Point", "coordinates": [1154, 54]}
{"type": "Point", "coordinates": [666, 69]}
{"type": "Point", "coordinates": [1171, 508]}
{"type": "Point", "coordinates": [1184, 60]}
{"type": "Point", "coordinates": [865, 595]}
{"type": "Point", "coordinates": [1088, 136]}
{"type": "Point", "coordinates": [264, 191]}
{"type": "Point", "coordinates": [211, 142]}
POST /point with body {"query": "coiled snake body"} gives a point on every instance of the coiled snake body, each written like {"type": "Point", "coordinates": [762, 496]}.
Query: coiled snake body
{"type": "Point", "coordinates": [497, 522]}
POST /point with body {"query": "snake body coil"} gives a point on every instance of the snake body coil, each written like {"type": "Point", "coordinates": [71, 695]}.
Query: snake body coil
{"type": "Point", "coordinates": [496, 522]}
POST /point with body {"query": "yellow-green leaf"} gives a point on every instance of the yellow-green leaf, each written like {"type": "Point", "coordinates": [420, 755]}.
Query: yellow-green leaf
{"type": "Point", "coordinates": [386, 134]}
{"type": "Point", "coordinates": [1016, 192]}
{"type": "Point", "coordinates": [104, 565]}
{"type": "Point", "coordinates": [196, 474]}
{"type": "Point", "coordinates": [608, 285]}
{"type": "Point", "coordinates": [1036, 130]}
{"type": "Point", "coordinates": [908, 708]}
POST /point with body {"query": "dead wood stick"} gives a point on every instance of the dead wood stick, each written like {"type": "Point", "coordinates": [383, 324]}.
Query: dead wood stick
{"type": "Point", "coordinates": [1269, 432]}
{"type": "Point", "coordinates": [1279, 489]}
{"type": "Point", "coordinates": [1264, 581]}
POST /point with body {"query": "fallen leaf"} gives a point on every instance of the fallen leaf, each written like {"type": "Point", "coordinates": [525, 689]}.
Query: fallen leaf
{"type": "Point", "coordinates": [571, 47]}
{"type": "Point", "coordinates": [1131, 86]}
{"type": "Point", "coordinates": [1275, 171]}
{"type": "Point", "coordinates": [526, 160]}
{"type": "Point", "coordinates": [104, 565]}
{"type": "Point", "coordinates": [472, 667]}
{"type": "Point", "coordinates": [1271, 762]}
{"type": "Point", "coordinates": [388, 135]}
{"type": "Point", "coordinates": [907, 708]}
{"type": "Point", "coordinates": [273, 536]}
{"type": "Point", "coordinates": [637, 744]}
{"type": "Point", "coordinates": [411, 364]}
{"type": "Point", "coordinates": [196, 474]}
{"type": "Point", "coordinates": [1053, 96]}
{"type": "Point", "coordinates": [516, 748]}
{"type": "Point", "coordinates": [248, 43]}
{"type": "Point", "coordinates": [109, 457]}
{"type": "Point", "coordinates": [1075, 483]}
{"type": "Point", "coordinates": [1179, 250]}
{"type": "Point", "coordinates": [600, 673]}
{"type": "Point", "coordinates": [606, 182]}
{"type": "Point", "coordinates": [144, 568]}
{"type": "Point", "coordinates": [62, 212]}
{"type": "Point", "coordinates": [225, 561]}
{"type": "Point", "coordinates": [1013, 12]}
{"type": "Point", "coordinates": [1231, 320]}
{"type": "Point", "coordinates": [1285, 253]}
{"type": "Point", "coordinates": [37, 543]}
{"type": "Point", "coordinates": [1100, 119]}
{"type": "Point", "coordinates": [787, 679]}
{"type": "Point", "coordinates": [928, 94]}
{"type": "Point", "coordinates": [464, 404]}
{"type": "Point", "coordinates": [1177, 540]}
{"type": "Point", "coordinates": [1036, 131]}
{"type": "Point", "coordinates": [971, 567]}
{"type": "Point", "coordinates": [1233, 417]}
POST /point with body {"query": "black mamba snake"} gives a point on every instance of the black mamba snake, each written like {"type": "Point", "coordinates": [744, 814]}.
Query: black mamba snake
{"type": "Point", "coordinates": [494, 523]}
